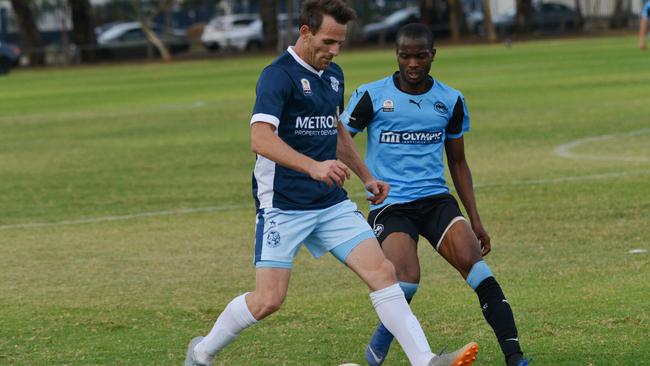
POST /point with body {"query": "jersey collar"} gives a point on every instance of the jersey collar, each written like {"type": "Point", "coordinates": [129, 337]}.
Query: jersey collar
{"type": "Point", "coordinates": [302, 62]}
{"type": "Point", "coordinates": [396, 84]}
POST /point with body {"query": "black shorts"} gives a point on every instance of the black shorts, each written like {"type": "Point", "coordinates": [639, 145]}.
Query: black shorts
{"type": "Point", "coordinates": [430, 217]}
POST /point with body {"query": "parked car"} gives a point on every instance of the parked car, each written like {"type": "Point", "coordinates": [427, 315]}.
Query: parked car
{"type": "Point", "coordinates": [546, 18]}
{"type": "Point", "coordinates": [128, 40]}
{"type": "Point", "coordinates": [241, 32]}
{"type": "Point", "coordinates": [386, 30]}
{"type": "Point", "coordinates": [9, 57]}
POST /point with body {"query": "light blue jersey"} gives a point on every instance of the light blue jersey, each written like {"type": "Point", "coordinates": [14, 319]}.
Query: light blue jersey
{"type": "Point", "coordinates": [406, 135]}
{"type": "Point", "coordinates": [645, 12]}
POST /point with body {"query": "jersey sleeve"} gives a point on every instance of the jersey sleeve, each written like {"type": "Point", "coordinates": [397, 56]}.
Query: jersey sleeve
{"type": "Point", "coordinates": [459, 121]}
{"type": "Point", "coordinates": [273, 90]}
{"type": "Point", "coordinates": [359, 111]}
{"type": "Point", "coordinates": [645, 13]}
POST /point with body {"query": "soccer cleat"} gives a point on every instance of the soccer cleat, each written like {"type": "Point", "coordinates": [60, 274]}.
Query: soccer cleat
{"type": "Point", "coordinates": [522, 362]}
{"type": "Point", "coordinates": [463, 357]}
{"type": "Point", "coordinates": [189, 357]}
{"type": "Point", "coordinates": [378, 346]}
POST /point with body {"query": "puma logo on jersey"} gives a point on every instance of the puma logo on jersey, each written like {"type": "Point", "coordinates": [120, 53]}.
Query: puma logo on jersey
{"type": "Point", "coordinates": [416, 103]}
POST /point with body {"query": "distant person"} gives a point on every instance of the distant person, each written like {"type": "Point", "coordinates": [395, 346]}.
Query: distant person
{"type": "Point", "coordinates": [643, 25]}
{"type": "Point", "coordinates": [411, 119]}
{"type": "Point", "coordinates": [297, 185]}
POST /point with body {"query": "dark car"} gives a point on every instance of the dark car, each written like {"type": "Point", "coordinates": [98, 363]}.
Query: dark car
{"type": "Point", "coordinates": [546, 18]}
{"type": "Point", "coordinates": [386, 30]}
{"type": "Point", "coordinates": [9, 57]}
{"type": "Point", "coordinates": [128, 40]}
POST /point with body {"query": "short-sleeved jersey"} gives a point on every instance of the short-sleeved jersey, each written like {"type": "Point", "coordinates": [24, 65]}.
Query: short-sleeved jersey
{"type": "Point", "coordinates": [645, 12]}
{"type": "Point", "coordinates": [406, 134]}
{"type": "Point", "coordinates": [302, 103]}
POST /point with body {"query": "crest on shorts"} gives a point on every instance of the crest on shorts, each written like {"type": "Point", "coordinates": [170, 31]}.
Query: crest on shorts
{"type": "Point", "coordinates": [334, 83]}
{"type": "Point", "coordinates": [388, 106]}
{"type": "Point", "coordinates": [273, 239]}
{"type": "Point", "coordinates": [378, 229]}
{"type": "Point", "coordinates": [306, 88]}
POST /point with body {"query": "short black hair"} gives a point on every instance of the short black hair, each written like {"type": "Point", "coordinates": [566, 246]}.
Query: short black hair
{"type": "Point", "coordinates": [313, 11]}
{"type": "Point", "coordinates": [415, 31]}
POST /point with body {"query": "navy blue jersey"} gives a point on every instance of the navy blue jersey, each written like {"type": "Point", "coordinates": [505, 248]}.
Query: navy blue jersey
{"type": "Point", "coordinates": [303, 104]}
{"type": "Point", "coordinates": [406, 134]}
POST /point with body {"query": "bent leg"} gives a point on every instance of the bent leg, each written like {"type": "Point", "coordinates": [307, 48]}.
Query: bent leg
{"type": "Point", "coordinates": [245, 310]}
{"type": "Point", "coordinates": [369, 263]}
{"type": "Point", "coordinates": [461, 249]}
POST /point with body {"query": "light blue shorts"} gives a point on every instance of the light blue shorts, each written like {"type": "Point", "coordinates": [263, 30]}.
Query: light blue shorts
{"type": "Point", "coordinates": [279, 233]}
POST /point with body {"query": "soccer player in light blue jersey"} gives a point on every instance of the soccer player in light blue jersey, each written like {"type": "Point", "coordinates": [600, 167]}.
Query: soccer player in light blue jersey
{"type": "Point", "coordinates": [297, 184]}
{"type": "Point", "coordinates": [643, 25]}
{"type": "Point", "coordinates": [411, 120]}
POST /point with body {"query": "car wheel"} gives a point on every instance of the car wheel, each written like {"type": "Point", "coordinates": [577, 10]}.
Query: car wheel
{"type": "Point", "coordinates": [5, 65]}
{"type": "Point", "coordinates": [253, 46]}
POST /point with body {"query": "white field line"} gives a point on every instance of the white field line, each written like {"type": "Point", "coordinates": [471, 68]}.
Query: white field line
{"type": "Point", "coordinates": [185, 211]}
{"type": "Point", "coordinates": [564, 150]}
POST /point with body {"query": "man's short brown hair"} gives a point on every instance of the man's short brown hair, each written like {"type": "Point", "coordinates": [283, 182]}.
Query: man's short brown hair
{"type": "Point", "coordinates": [313, 11]}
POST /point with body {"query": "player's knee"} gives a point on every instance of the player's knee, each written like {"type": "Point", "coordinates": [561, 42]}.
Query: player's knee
{"type": "Point", "coordinates": [268, 305]}
{"type": "Point", "coordinates": [408, 274]}
{"type": "Point", "coordinates": [386, 271]}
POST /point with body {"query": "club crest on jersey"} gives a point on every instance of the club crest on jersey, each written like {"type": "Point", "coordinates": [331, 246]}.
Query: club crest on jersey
{"type": "Point", "coordinates": [334, 83]}
{"type": "Point", "coordinates": [440, 107]}
{"type": "Point", "coordinates": [306, 88]}
{"type": "Point", "coordinates": [273, 239]}
{"type": "Point", "coordinates": [388, 106]}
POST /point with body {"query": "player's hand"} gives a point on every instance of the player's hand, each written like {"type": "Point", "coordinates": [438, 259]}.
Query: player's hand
{"type": "Point", "coordinates": [332, 172]}
{"type": "Point", "coordinates": [379, 191]}
{"type": "Point", "coordinates": [483, 237]}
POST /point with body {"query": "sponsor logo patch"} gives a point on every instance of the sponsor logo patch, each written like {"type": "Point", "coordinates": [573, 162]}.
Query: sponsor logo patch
{"type": "Point", "coordinates": [388, 106]}
{"type": "Point", "coordinates": [407, 137]}
{"type": "Point", "coordinates": [306, 88]}
{"type": "Point", "coordinates": [440, 107]}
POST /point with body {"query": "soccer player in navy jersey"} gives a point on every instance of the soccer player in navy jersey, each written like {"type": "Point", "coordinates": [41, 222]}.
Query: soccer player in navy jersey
{"type": "Point", "coordinates": [410, 117]}
{"type": "Point", "coordinates": [297, 184]}
{"type": "Point", "coordinates": [643, 25]}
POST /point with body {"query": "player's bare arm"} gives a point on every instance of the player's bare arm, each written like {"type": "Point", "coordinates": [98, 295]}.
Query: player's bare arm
{"type": "Point", "coordinates": [265, 142]}
{"type": "Point", "coordinates": [346, 151]}
{"type": "Point", "coordinates": [462, 177]}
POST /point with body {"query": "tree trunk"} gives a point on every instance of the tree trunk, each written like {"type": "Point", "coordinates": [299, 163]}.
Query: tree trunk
{"type": "Point", "coordinates": [83, 29]}
{"type": "Point", "coordinates": [577, 21]}
{"type": "Point", "coordinates": [487, 22]}
{"type": "Point", "coordinates": [619, 17]}
{"type": "Point", "coordinates": [151, 35]}
{"type": "Point", "coordinates": [269, 16]}
{"type": "Point", "coordinates": [524, 16]}
{"type": "Point", "coordinates": [28, 27]}
{"type": "Point", "coordinates": [453, 20]}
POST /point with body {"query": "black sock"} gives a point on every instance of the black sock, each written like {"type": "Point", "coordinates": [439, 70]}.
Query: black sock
{"type": "Point", "coordinates": [498, 314]}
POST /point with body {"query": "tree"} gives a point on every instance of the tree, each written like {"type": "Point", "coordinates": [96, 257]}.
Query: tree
{"type": "Point", "coordinates": [269, 15]}
{"type": "Point", "coordinates": [83, 29]}
{"type": "Point", "coordinates": [457, 21]}
{"type": "Point", "coordinates": [27, 25]}
{"type": "Point", "coordinates": [524, 19]}
{"type": "Point", "coordinates": [487, 22]}
{"type": "Point", "coordinates": [145, 22]}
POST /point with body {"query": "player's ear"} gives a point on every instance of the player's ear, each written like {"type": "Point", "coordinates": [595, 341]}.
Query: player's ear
{"type": "Point", "coordinates": [433, 54]}
{"type": "Point", "coordinates": [304, 30]}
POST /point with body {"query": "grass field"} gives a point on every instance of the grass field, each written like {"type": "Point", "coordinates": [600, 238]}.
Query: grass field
{"type": "Point", "coordinates": [126, 221]}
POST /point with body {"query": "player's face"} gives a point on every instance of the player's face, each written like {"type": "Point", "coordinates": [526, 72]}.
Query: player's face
{"type": "Point", "coordinates": [414, 58]}
{"type": "Point", "coordinates": [325, 44]}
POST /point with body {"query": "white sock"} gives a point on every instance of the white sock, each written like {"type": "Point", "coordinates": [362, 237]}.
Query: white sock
{"type": "Point", "coordinates": [234, 318]}
{"type": "Point", "coordinates": [395, 313]}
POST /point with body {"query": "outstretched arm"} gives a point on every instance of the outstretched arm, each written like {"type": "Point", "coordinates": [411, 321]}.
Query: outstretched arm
{"type": "Point", "coordinates": [265, 142]}
{"type": "Point", "coordinates": [462, 177]}
{"type": "Point", "coordinates": [346, 151]}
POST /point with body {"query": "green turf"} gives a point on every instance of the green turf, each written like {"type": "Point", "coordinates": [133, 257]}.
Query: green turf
{"type": "Point", "coordinates": [129, 147]}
